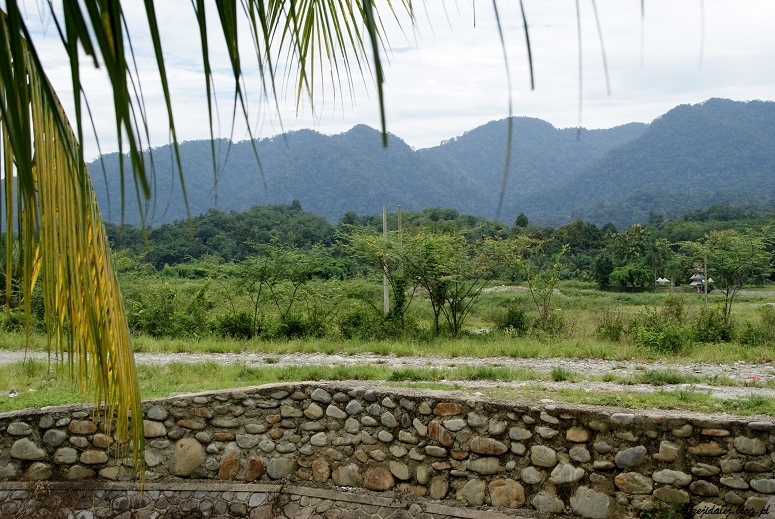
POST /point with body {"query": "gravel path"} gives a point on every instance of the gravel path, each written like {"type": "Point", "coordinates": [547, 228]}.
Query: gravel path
{"type": "Point", "coordinates": [748, 375]}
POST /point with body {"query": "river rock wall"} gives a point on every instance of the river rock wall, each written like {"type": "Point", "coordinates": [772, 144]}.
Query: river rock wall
{"type": "Point", "coordinates": [427, 447]}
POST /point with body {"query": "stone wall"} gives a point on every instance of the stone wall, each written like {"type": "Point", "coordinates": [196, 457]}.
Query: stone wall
{"type": "Point", "coordinates": [421, 448]}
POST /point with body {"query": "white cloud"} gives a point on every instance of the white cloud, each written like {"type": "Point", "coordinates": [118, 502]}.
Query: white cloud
{"type": "Point", "coordinates": [448, 77]}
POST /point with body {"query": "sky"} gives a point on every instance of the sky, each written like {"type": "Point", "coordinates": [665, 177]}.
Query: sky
{"type": "Point", "coordinates": [447, 73]}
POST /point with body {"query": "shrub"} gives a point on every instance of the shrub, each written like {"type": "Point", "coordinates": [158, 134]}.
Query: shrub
{"type": "Point", "coordinates": [359, 323]}
{"type": "Point", "coordinates": [515, 321]}
{"type": "Point", "coordinates": [767, 314]}
{"type": "Point", "coordinates": [366, 323]}
{"type": "Point", "coordinates": [555, 324]}
{"type": "Point", "coordinates": [655, 333]}
{"type": "Point", "coordinates": [161, 311]}
{"type": "Point", "coordinates": [712, 328]}
{"type": "Point", "coordinates": [674, 308]}
{"type": "Point", "coordinates": [668, 339]}
{"type": "Point", "coordinates": [12, 321]}
{"type": "Point", "coordinates": [297, 327]}
{"type": "Point", "coordinates": [751, 335]}
{"type": "Point", "coordinates": [611, 327]}
{"type": "Point", "coordinates": [235, 326]}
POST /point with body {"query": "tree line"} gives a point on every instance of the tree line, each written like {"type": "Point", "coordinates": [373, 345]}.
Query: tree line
{"type": "Point", "coordinates": [280, 272]}
{"type": "Point", "coordinates": [631, 258]}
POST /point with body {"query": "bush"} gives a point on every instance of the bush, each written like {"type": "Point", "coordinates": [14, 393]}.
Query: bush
{"type": "Point", "coordinates": [751, 335]}
{"type": "Point", "coordinates": [361, 323]}
{"type": "Point", "coordinates": [12, 321]}
{"type": "Point", "coordinates": [161, 311]}
{"type": "Point", "coordinates": [667, 339]}
{"type": "Point", "coordinates": [768, 322]}
{"type": "Point", "coordinates": [556, 324]}
{"type": "Point", "coordinates": [712, 328]}
{"type": "Point", "coordinates": [235, 326]}
{"type": "Point", "coordinates": [515, 321]}
{"type": "Point", "coordinates": [655, 333]}
{"type": "Point", "coordinates": [611, 328]}
{"type": "Point", "coordinates": [674, 308]}
{"type": "Point", "coordinates": [297, 327]}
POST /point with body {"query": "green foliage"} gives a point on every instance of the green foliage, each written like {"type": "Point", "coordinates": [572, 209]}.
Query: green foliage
{"type": "Point", "coordinates": [161, 310]}
{"type": "Point", "coordinates": [712, 327]}
{"type": "Point", "coordinates": [559, 374]}
{"type": "Point", "coordinates": [659, 335]}
{"type": "Point", "coordinates": [602, 267]}
{"type": "Point", "coordinates": [12, 321]}
{"type": "Point", "coordinates": [359, 323]}
{"type": "Point", "coordinates": [542, 282]}
{"type": "Point", "coordinates": [451, 271]}
{"type": "Point", "coordinates": [767, 316]}
{"type": "Point", "coordinates": [367, 324]}
{"type": "Point", "coordinates": [632, 275]}
{"type": "Point", "coordinates": [733, 259]}
{"type": "Point", "coordinates": [751, 335]}
{"type": "Point", "coordinates": [514, 321]}
{"type": "Point", "coordinates": [230, 237]}
{"type": "Point", "coordinates": [298, 327]}
{"type": "Point", "coordinates": [338, 284]}
{"type": "Point", "coordinates": [611, 326]}
{"type": "Point", "coordinates": [674, 308]}
{"type": "Point", "coordinates": [235, 326]}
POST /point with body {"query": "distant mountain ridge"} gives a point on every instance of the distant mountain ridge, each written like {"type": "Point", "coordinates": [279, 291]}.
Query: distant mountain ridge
{"type": "Point", "coordinates": [690, 157]}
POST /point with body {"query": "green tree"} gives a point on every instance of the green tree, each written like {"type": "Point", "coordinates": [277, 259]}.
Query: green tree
{"type": "Point", "coordinates": [658, 255]}
{"type": "Point", "coordinates": [542, 283]}
{"type": "Point", "coordinates": [452, 271]}
{"type": "Point", "coordinates": [386, 257]}
{"type": "Point", "coordinates": [734, 259]}
{"type": "Point", "coordinates": [602, 268]}
{"type": "Point", "coordinates": [257, 275]}
{"type": "Point", "coordinates": [630, 245]}
{"type": "Point", "coordinates": [632, 275]}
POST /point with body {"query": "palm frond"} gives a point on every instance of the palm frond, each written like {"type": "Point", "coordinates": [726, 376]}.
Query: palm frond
{"type": "Point", "coordinates": [62, 239]}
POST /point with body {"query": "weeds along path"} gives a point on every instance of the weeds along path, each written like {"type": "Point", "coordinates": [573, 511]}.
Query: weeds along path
{"type": "Point", "coordinates": [739, 379]}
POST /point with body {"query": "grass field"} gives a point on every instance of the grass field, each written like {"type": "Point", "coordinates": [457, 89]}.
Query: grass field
{"type": "Point", "coordinates": [581, 309]}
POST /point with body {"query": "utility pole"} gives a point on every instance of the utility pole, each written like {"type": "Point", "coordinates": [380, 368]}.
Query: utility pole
{"type": "Point", "coordinates": [400, 226]}
{"type": "Point", "coordinates": [705, 281]}
{"type": "Point", "coordinates": [385, 286]}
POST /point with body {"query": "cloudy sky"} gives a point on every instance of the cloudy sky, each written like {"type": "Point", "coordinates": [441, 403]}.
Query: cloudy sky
{"type": "Point", "coordinates": [447, 75]}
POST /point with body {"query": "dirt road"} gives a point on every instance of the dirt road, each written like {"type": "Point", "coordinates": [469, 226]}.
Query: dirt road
{"type": "Point", "coordinates": [749, 378]}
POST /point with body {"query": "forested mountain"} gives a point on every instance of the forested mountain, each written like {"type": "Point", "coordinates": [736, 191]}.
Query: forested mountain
{"type": "Point", "coordinates": [542, 156]}
{"type": "Point", "coordinates": [689, 158]}
{"type": "Point", "coordinates": [328, 175]}
{"type": "Point", "coordinates": [694, 155]}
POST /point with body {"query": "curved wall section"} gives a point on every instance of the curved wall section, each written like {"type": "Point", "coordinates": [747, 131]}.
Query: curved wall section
{"type": "Point", "coordinates": [282, 450]}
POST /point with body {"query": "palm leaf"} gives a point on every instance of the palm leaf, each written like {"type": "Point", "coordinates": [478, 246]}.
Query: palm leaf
{"type": "Point", "coordinates": [62, 239]}
{"type": "Point", "coordinates": [48, 193]}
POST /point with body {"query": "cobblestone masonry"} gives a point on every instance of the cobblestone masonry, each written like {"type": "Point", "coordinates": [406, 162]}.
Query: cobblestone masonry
{"type": "Point", "coordinates": [335, 451]}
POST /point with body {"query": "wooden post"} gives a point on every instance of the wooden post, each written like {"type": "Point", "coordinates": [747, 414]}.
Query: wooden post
{"type": "Point", "coordinates": [400, 225]}
{"type": "Point", "coordinates": [385, 285]}
{"type": "Point", "coordinates": [705, 281]}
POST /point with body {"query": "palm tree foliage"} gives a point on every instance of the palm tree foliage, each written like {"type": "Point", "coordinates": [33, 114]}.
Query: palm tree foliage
{"type": "Point", "coordinates": [47, 196]}
{"type": "Point", "coordinates": [47, 192]}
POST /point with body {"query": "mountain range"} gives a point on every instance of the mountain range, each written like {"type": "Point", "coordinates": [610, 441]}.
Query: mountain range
{"type": "Point", "coordinates": [718, 151]}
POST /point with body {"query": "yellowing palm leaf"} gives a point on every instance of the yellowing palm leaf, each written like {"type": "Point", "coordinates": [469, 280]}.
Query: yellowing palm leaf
{"type": "Point", "coordinates": [49, 196]}
{"type": "Point", "coordinates": [47, 189]}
